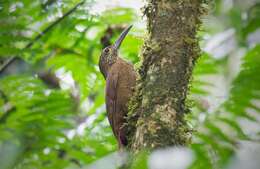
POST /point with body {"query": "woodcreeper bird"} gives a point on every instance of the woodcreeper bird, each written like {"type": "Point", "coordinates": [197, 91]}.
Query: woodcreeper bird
{"type": "Point", "coordinates": [120, 79]}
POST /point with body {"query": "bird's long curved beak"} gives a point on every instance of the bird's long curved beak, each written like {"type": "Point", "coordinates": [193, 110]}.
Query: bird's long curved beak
{"type": "Point", "coordinates": [122, 37]}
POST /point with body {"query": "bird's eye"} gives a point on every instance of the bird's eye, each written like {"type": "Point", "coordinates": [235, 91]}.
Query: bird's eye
{"type": "Point", "coordinates": [106, 50]}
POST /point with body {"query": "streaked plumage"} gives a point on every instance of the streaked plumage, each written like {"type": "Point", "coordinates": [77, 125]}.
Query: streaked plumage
{"type": "Point", "coordinates": [120, 81]}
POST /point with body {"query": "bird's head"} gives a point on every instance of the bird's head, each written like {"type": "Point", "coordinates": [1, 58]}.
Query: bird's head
{"type": "Point", "coordinates": [109, 54]}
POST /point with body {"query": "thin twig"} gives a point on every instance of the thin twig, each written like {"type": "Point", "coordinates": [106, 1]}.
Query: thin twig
{"type": "Point", "coordinates": [12, 59]}
{"type": "Point", "coordinates": [8, 108]}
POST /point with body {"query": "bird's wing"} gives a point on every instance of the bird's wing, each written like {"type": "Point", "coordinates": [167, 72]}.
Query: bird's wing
{"type": "Point", "coordinates": [111, 98]}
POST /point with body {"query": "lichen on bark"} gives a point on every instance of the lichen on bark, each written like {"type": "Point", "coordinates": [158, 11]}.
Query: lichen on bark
{"type": "Point", "coordinates": [157, 109]}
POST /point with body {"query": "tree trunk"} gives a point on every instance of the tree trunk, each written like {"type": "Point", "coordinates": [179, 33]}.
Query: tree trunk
{"type": "Point", "coordinates": [157, 109]}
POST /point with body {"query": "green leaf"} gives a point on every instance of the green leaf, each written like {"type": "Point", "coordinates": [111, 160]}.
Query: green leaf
{"type": "Point", "coordinates": [118, 16]}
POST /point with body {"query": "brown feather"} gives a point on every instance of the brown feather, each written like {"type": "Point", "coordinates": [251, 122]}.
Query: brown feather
{"type": "Point", "coordinates": [119, 88]}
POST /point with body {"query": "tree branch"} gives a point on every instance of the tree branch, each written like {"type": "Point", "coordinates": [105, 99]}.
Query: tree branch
{"type": "Point", "coordinates": [7, 106]}
{"type": "Point", "coordinates": [156, 117]}
{"type": "Point", "coordinates": [12, 59]}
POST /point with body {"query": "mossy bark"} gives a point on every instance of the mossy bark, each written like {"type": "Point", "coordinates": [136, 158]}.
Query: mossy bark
{"type": "Point", "coordinates": [157, 109]}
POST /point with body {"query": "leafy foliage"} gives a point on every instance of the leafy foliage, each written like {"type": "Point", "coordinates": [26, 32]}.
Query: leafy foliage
{"type": "Point", "coordinates": [217, 137]}
{"type": "Point", "coordinates": [42, 126]}
{"type": "Point", "coordinates": [246, 86]}
{"type": "Point", "coordinates": [37, 117]}
{"type": "Point", "coordinates": [219, 134]}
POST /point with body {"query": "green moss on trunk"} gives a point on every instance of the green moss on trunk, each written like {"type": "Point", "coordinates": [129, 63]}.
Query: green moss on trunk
{"type": "Point", "coordinates": [157, 108]}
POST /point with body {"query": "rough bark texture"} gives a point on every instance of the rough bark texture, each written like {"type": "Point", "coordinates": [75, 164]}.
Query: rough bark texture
{"type": "Point", "coordinates": [157, 109]}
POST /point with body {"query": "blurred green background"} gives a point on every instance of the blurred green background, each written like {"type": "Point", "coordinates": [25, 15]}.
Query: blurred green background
{"type": "Point", "coordinates": [52, 112]}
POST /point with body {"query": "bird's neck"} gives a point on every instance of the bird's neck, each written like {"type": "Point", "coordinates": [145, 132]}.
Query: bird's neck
{"type": "Point", "coordinates": [103, 69]}
{"type": "Point", "coordinates": [106, 67]}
